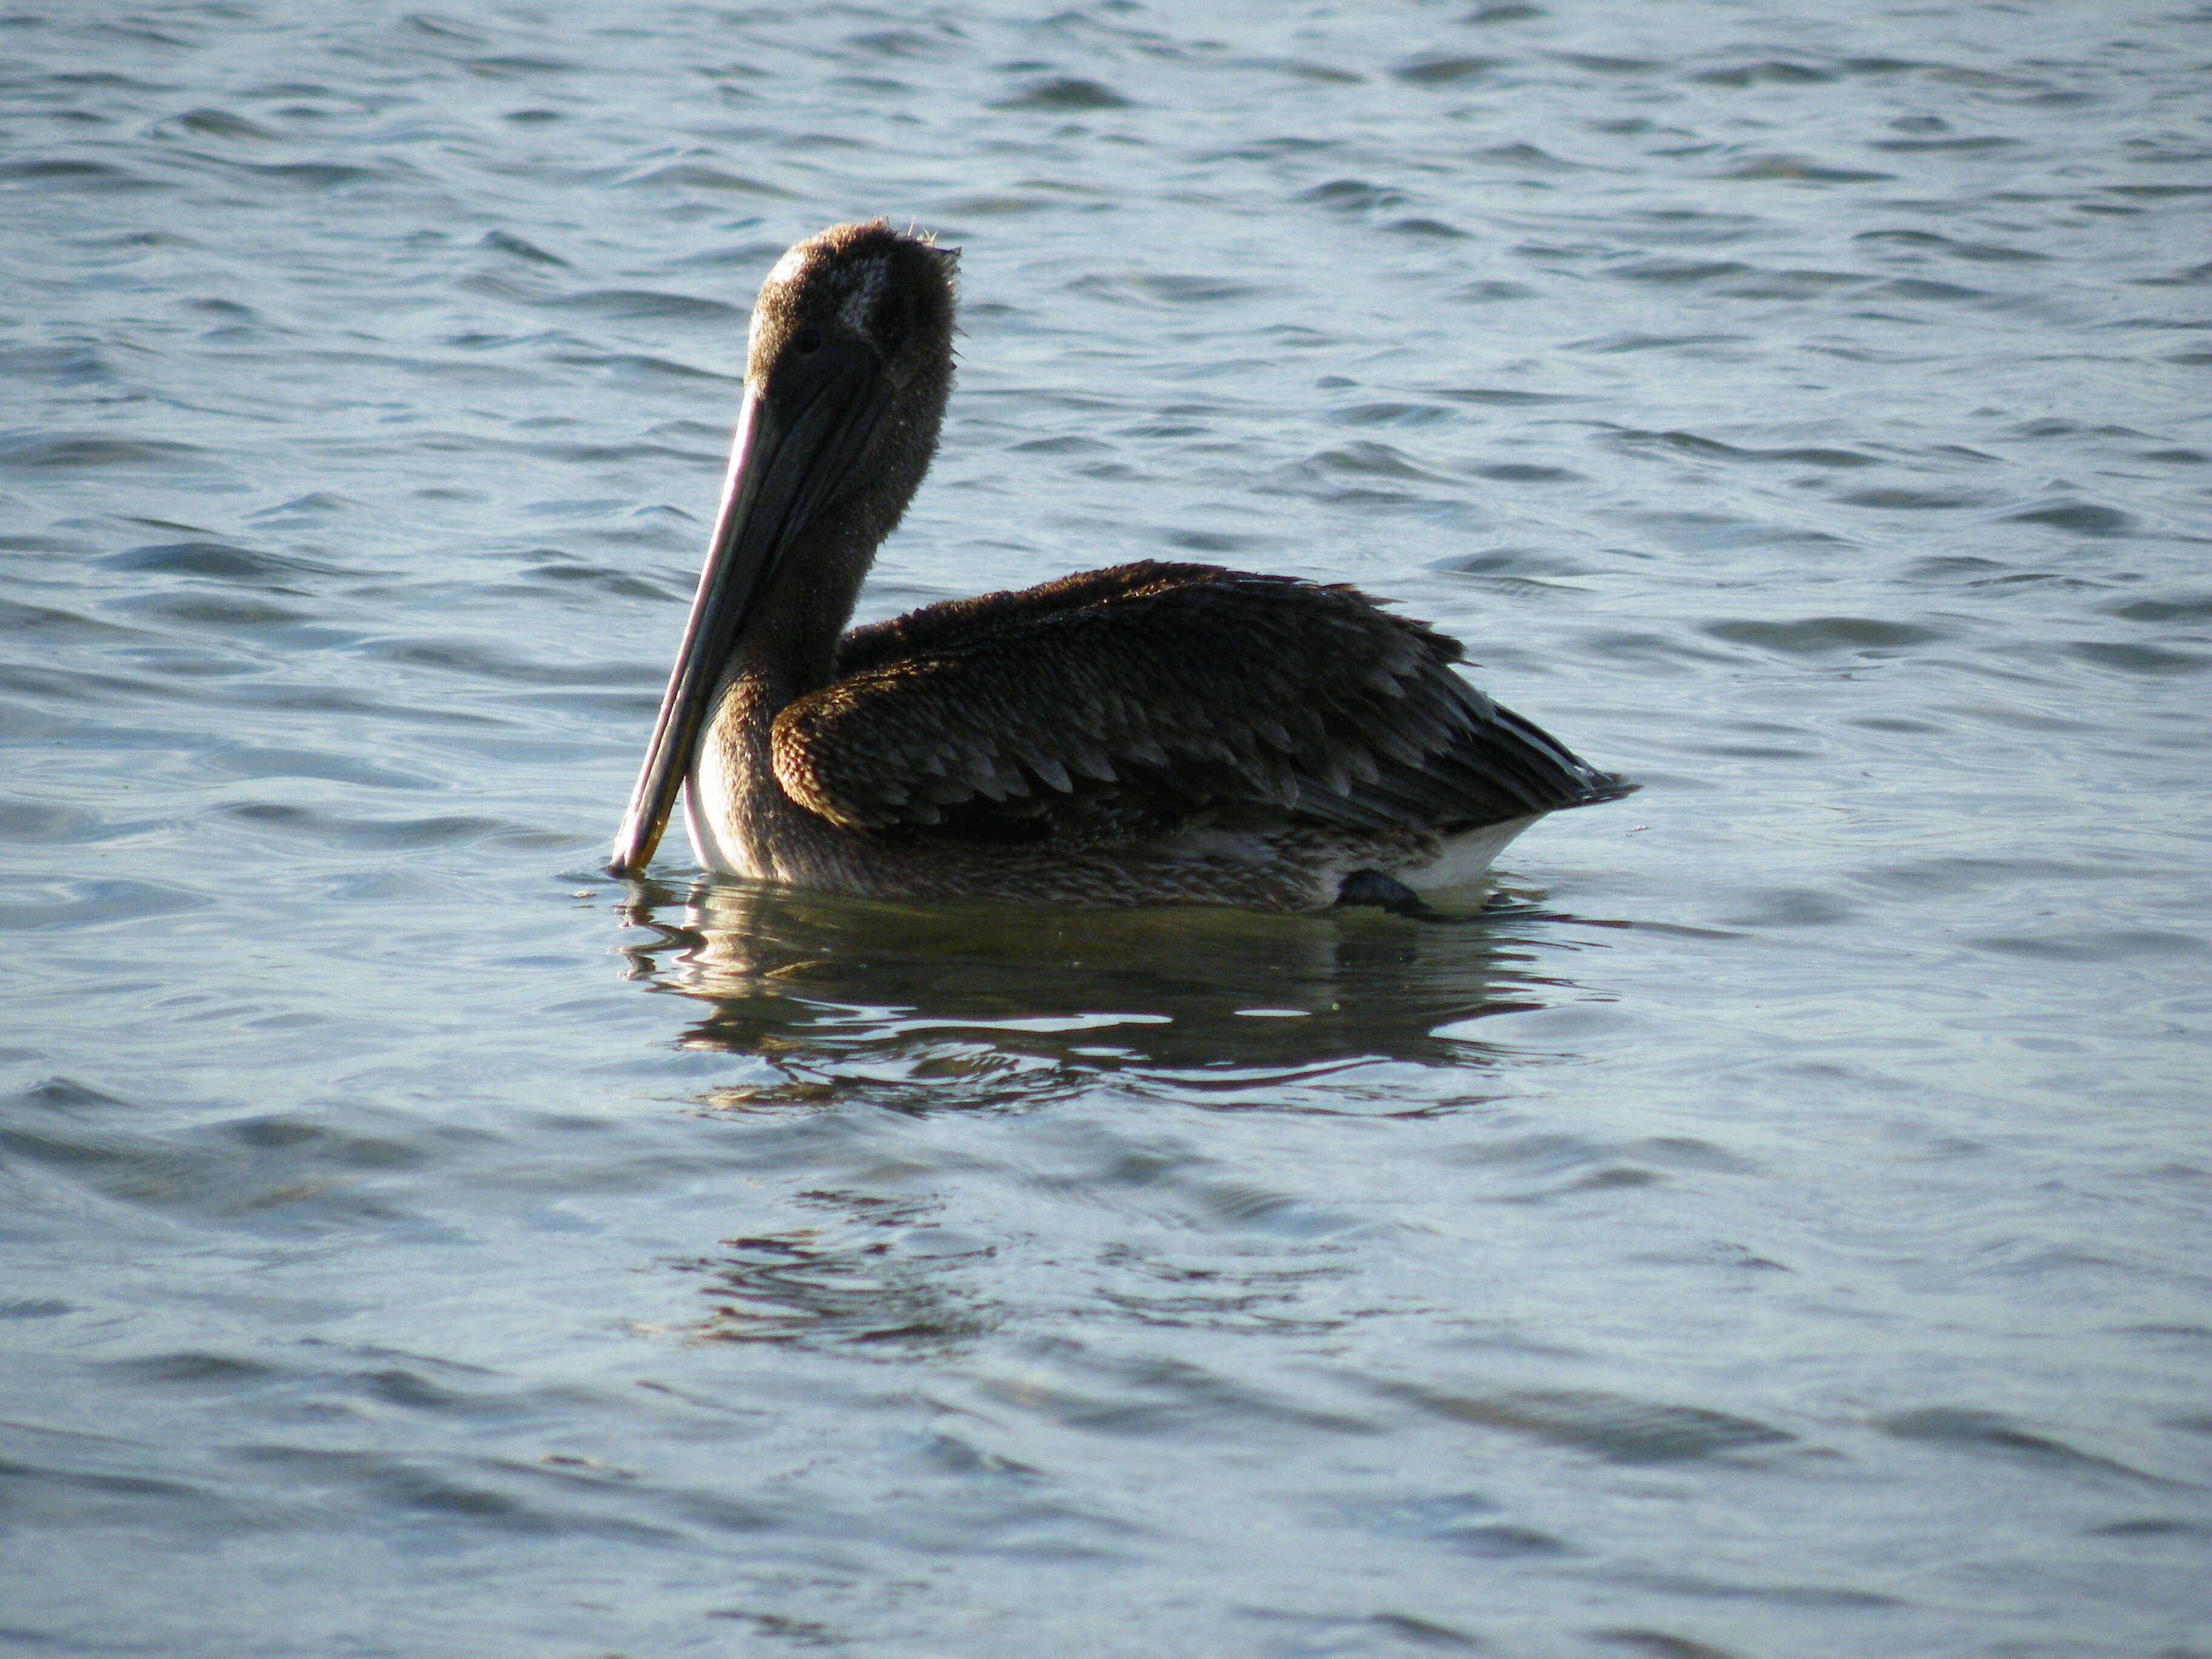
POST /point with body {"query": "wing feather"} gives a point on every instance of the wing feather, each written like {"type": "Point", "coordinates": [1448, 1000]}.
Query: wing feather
{"type": "Point", "coordinates": [1122, 702]}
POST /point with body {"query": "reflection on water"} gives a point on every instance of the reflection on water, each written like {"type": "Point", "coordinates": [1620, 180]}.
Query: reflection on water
{"type": "Point", "coordinates": [917, 1008]}
{"type": "Point", "coordinates": [927, 1004]}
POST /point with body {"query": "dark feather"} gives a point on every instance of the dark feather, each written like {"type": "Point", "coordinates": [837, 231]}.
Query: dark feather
{"type": "Point", "coordinates": [1121, 703]}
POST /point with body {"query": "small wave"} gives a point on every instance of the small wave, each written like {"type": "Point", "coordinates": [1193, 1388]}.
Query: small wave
{"type": "Point", "coordinates": [1365, 460]}
{"type": "Point", "coordinates": [1972, 1428]}
{"type": "Point", "coordinates": [90, 450]}
{"type": "Point", "coordinates": [2133, 657]}
{"type": "Point", "coordinates": [215, 561]}
{"type": "Point", "coordinates": [522, 248]}
{"type": "Point", "coordinates": [2082, 518]}
{"type": "Point", "coordinates": [1527, 158]}
{"type": "Point", "coordinates": [1391, 414]}
{"type": "Point", "coordinates": [374, 835]}
{"type": "Point", "coordinates": [1444, 71]}
{"type": "Point", "coordinates": [1797, 169]}
{"type": "Point", "coordinates": [699, 175]}
{"type": "Point", "coordinates": [221, 124]}
{"type": "Point", "coordinates": [1612, 1426]}
{"type": "Point", "coordinates": [1164, 287]}
{"type": "Point", "coordinates": [1815, 636]}
{"type": "Point", "coordinates": [1068, 92]}
{"type": "Point", "coordinates": [1678, 273]}
{"type": "Point", "coordinates": [75, 903]}
{"type": "Point", "coordinates": [1770, 71]}
{"type": "Point", "coordinates": [1353, 196]}
{"type": "Point", "coordinates": [75, 174]}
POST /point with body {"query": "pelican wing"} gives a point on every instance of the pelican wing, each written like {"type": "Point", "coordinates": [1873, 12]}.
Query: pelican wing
{"type": "Point", "coordinates": [1121, 702]}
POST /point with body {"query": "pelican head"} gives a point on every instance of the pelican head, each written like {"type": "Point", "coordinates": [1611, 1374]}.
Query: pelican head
{"type": "Point", "coordinates": [848, 368]}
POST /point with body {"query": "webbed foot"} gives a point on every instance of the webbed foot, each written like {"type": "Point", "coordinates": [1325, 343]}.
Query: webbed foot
{"type": "Point", "coordinates": [1372, 887]}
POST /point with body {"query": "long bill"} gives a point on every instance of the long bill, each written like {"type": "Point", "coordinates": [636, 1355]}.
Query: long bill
{"type": "Point", "coordinates": [793, 451]}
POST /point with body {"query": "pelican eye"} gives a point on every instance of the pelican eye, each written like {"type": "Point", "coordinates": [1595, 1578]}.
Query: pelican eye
{"type": "Point", "coordinates": [806, 342]}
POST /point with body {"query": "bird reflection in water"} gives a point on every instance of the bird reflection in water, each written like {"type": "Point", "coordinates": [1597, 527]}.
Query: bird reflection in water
{"type": "Point", "coordinates": [923, 1005]}
{"type": "Point", "coordinates": [912, 1010]}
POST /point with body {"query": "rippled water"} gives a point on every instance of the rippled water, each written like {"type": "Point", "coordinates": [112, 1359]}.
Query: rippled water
{"type": "Point", "coordinates": [1784, 1232]}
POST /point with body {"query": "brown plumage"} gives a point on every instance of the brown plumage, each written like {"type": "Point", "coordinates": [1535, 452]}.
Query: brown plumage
{"type": "Point", "coordinates": [1150, 732]}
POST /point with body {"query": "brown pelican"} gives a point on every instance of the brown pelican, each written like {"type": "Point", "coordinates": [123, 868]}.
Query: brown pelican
{"type": "Point", "coordinates": [1154, 734]}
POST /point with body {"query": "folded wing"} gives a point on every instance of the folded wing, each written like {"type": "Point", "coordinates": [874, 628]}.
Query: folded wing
{"type": "Point", "coordinates": [1123, 702]}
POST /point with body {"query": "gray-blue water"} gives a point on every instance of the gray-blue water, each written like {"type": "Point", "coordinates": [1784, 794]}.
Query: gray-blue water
{"type": "Point", "coordinates": [1786, 1234]}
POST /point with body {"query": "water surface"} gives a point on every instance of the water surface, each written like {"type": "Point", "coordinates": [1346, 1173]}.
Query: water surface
{"type": "Point", "coordinates": [1780, 1230]}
